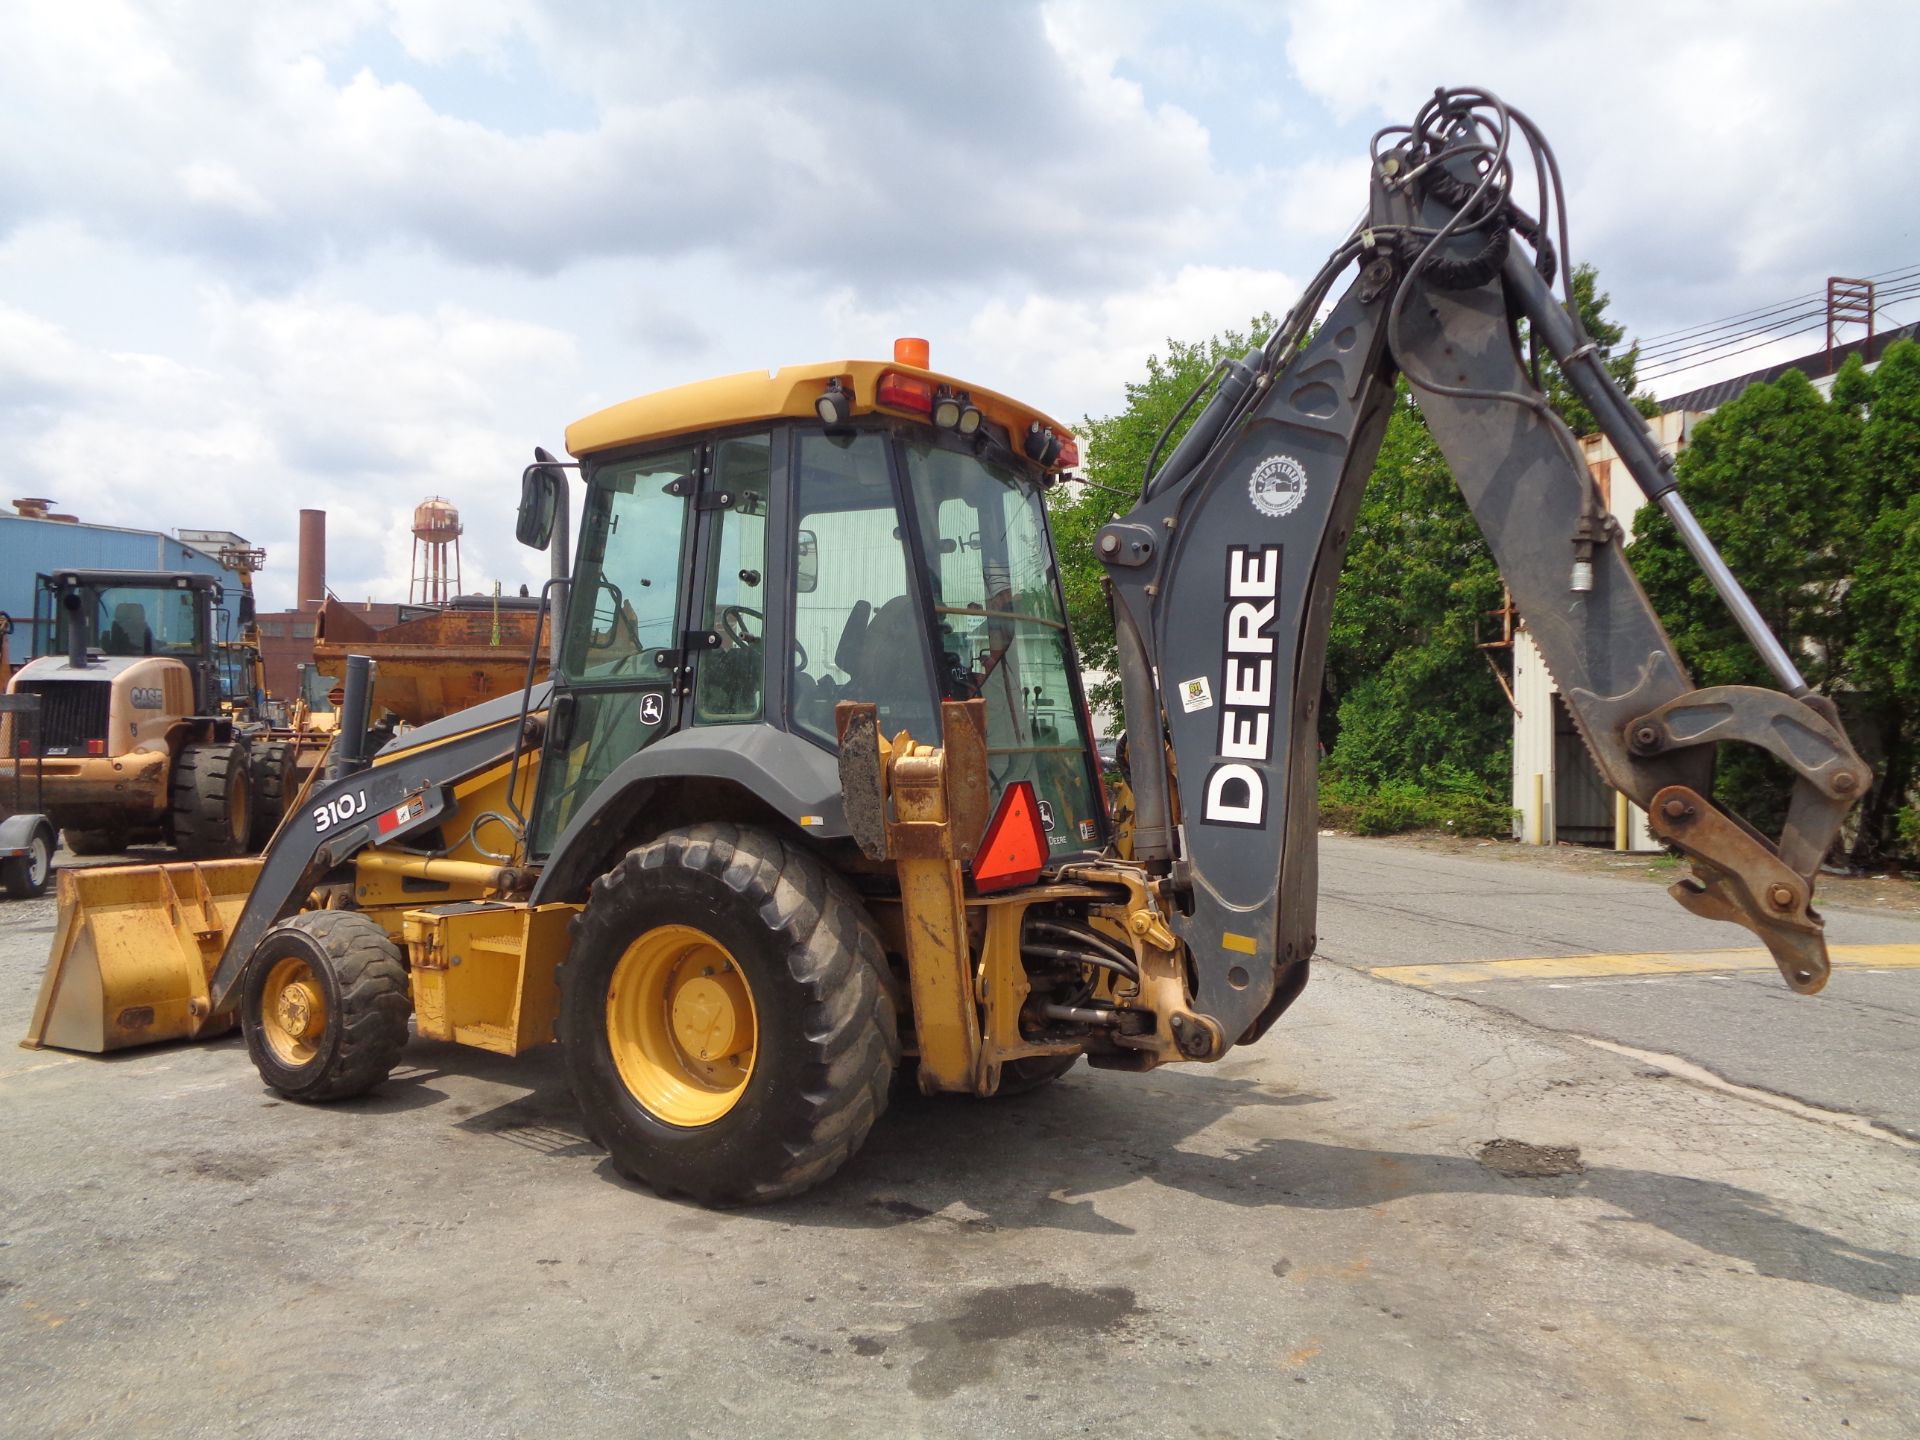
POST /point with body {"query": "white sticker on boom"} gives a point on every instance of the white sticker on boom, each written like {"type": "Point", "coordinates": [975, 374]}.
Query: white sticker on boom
{"type": "Point", "coordinates": [1196, 694]}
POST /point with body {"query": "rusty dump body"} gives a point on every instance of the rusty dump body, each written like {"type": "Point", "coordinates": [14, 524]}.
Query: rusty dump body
{"type": "Point", "coordinates": [811, 795]}
{"type": "Point", "coordinates": [433, 665]}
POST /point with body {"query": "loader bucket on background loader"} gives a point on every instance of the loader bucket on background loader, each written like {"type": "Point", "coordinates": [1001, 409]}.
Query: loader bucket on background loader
{"type": "Point", "coordinates": [133, 949]}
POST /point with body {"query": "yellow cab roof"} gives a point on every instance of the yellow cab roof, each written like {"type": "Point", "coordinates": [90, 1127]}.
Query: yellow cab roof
{"type": "Point", "coordinates": [789, 392]}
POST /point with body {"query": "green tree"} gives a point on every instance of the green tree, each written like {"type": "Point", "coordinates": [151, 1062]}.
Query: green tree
{"type": "Point", "coordinates": [1411, 699]}
{"type": "Point", "coordinates": [1884, 655]}
{"type": "Point", "coordinates": [1622, 364]}
{"type": "Point", "coordinates": [1815, 505]}
{"type": "Point", "coordinates": [1116, 450]}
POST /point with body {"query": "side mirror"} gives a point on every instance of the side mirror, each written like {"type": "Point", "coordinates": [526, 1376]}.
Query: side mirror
{"type": "Point", "coordinates": [246, 610]}
{"type": "Point", "coordinates": [806, 563]}
{"type": "Point", "coordinates": [539, 500]}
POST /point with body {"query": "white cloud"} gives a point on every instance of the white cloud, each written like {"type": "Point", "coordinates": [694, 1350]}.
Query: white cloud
{"type": "Point", "coordinates": [782, 153]}
{"type": "Point", "coordinates": [313, 403]}
{"type": "Point", "coordinates": [1715, 159]}
{"type": "Point", "coordinates": [1077, 359]}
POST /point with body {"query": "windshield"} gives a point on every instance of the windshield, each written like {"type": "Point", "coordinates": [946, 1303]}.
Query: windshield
{"type": "Point", "coordinates": [1002, 631]}
{"type": "Point", "coordinates": [141, 620]}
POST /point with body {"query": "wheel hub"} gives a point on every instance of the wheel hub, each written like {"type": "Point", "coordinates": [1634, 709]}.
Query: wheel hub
{"type": "Point", "coordinates": [293, 1011]}
{"type": "Point", "coordinates": [681, 1025]}
{"type": "Point", "coordinates": [298, 1011]}
{"type": "Point", "coordinates": [704, 1017]}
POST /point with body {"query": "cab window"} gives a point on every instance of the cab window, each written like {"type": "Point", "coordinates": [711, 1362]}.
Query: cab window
{"type": "Point", "coordinates": [729, 678]}
{"type": "Point", "coordinates": [857, 631]}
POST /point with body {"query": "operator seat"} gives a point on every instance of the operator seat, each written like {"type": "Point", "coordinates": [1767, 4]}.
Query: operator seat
{"type": "Point", "coordinates": [891, 672]}
{"type": "Point", "coordinates": [128, 634]}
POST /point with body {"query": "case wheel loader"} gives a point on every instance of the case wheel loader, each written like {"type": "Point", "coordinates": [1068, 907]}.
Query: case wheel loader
{"type": "Point", "coordinates": [138, 741]}
{"type": "Point", "coordinates": [810, 799]}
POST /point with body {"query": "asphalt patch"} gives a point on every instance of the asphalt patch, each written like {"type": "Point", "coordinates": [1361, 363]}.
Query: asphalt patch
{"type": "Point", "coordinates": [1517, 1160]}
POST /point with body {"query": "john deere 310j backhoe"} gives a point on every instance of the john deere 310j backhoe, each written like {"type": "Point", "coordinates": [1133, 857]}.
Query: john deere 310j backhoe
{"type": "Point", "coordinates": [811, 795]}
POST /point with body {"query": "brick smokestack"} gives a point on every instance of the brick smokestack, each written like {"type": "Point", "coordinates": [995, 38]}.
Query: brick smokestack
{"type": "Point", "coordinates": [313, 559]}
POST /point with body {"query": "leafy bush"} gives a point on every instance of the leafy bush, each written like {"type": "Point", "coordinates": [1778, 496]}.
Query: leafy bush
{"type": "Point", "coordinates": [1451, 800]}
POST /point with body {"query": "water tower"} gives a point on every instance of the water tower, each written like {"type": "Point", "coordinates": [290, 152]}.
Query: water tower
{"type": "Point", "coordinates": [436, 552]}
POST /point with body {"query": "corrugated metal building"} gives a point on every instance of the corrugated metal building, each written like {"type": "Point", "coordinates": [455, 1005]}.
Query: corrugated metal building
{"type": "Point", "coordinates": [31, 546]}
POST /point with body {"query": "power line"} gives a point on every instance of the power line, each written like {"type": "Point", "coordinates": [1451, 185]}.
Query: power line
{"type": "Point", "coordinates": [1673, 347]}
{"type": "Point", "coordinates": [1884, 298]}
{"type": "Point", "coordinates": [1658, 341]}
{"type": "Point", "coordinates": [1819, 323]}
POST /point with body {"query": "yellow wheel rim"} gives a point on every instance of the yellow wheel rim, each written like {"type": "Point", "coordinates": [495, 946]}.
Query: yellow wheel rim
{"type": "Point", "coordinates": [681, 1025]}
{"type": "Point", "coordinates": [293, 1011]}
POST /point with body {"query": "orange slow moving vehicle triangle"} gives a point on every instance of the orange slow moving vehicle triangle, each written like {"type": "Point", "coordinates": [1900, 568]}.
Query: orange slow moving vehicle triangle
{"type": "Point", "coordinates": [1015, 846]}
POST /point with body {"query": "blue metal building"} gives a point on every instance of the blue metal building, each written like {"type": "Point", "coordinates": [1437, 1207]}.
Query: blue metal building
{"type": "Point", "coordinates": [31, 547]}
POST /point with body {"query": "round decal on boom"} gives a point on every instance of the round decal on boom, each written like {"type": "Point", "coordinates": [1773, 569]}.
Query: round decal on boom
{"type": "Point", "coordinates": [1277, 486]}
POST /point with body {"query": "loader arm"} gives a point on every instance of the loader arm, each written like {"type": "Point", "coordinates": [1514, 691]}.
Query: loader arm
{"type": "Point", "coordinates": [1223, 578]}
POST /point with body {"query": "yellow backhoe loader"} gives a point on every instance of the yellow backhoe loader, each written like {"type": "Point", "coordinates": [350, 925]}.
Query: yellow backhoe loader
{"type": "Point", "coordinates": [810, 795]}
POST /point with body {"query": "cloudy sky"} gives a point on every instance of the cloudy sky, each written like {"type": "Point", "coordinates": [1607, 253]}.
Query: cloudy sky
{"type": "Point", "coordinates": [346, 254]}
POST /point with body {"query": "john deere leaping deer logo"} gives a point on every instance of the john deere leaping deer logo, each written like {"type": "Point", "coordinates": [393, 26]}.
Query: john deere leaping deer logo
{"type": "Point", "coordinates": [1277, 486]}
{"type": "Point", "coordinates": [652, 708]}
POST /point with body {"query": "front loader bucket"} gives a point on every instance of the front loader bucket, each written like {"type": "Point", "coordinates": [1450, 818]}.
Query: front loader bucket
{"type": "Point", "coordinates": [132, 952]}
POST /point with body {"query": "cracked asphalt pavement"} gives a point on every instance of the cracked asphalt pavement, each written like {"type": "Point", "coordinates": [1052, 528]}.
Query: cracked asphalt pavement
{"type": "Point", "coordinates": [1319, 1236]}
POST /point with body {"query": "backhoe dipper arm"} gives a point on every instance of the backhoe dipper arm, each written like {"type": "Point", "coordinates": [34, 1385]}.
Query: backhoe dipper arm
{"type": "Point", "coordinates": [1223, 578]}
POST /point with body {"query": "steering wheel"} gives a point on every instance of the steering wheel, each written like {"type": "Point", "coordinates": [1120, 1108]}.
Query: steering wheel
{"type": "Point", "coordinates": [730, 618]}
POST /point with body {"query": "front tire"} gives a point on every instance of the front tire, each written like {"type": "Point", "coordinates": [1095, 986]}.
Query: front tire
{"type": "Point", "coordinates": [211, 801]}
{"type": "Point", "coordinates": [325, 1005]}
{"type": "Point", "coordinates": [270, 775]}
{"type": "Point", "coordinates": [723, 1017]}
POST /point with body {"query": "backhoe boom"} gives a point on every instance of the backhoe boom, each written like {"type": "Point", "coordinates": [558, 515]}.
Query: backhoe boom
{"type": "Point", "coordinates": [1223, 579]}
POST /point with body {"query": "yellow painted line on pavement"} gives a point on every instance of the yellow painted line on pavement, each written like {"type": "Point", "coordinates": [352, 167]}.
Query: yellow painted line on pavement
{"type": "Point", "coordinates": [1663, 962]}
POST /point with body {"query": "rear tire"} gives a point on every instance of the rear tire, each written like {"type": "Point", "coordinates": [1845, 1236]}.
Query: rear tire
{"type": "Point", "coordinates": [96, 842]}
{"type": "Point", "coordinates": [325, 1005]}
{"type": "Point", "coordinates": [729, 920]}
{"type": "Point", "coordinates": [25, 877]}
{"type": "Point", "coordinates": [210, 799]}
{"type": "Point", "coordinates": [270, 772]}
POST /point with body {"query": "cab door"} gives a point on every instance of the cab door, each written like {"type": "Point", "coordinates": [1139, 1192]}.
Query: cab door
{"type": "Point", "coordinates": [618, 685]}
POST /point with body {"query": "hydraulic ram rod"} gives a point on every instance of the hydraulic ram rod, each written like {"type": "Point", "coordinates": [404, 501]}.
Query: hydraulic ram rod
{"type": "Point", "coordinates": [1644, 460]}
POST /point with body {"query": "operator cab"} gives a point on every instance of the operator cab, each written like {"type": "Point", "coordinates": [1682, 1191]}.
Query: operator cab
{"type": "Point", "coordinates": [851, 531]}
{"type": "Point", "coordinates": [127, 613]}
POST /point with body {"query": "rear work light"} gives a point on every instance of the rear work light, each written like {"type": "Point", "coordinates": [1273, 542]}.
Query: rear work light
{"type": "Point", "coordinates": [835, 405]}
{"type": "Point", "coordinates": [1014, 849]}
{"type": "Point", "coordinates": [1044, 445]}
{"type": "Point", "coordinates": [956, 412]}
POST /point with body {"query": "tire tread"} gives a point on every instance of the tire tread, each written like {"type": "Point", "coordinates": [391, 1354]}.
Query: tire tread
{"type": "Point", "coordinates": [832, 953]}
